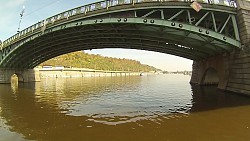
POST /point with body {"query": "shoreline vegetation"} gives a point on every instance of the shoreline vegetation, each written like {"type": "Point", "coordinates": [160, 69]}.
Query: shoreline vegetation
{"type": "Point", "coordinates": [80, 59]}
{"type": "Point", "coordinates": [80, 64]}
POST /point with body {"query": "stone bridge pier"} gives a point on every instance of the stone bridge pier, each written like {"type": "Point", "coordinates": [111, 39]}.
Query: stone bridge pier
{"type": "Point", "coordinates": [211, 71]}
{"type": "Point", "coordinates": [24, 75]}
{"type": "Point", "coordinates": [230, 71]}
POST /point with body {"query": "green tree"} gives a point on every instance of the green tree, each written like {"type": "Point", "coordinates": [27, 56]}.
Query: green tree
{"type": "Point", "coordinates": [81, 59]}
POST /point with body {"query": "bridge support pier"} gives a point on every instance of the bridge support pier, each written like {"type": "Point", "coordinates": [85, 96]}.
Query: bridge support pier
{"type": "Point", "coordinates": [230, 71]}
{"type": "Point", "coordinates": [24, 75]}
{"type": "Point", "coordinates": [213, 70]}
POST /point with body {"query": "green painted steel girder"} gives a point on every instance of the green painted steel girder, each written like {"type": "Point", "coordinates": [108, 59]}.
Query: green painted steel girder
{"type": "Point", "coordinates": [198, 44]}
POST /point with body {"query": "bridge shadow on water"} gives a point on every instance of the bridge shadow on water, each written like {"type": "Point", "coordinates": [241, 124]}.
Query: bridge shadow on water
{"type": "Point", "coordinates": [210, 97]}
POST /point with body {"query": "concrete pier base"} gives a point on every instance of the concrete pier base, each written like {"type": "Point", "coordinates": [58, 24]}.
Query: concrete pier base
{"type": "Point", "coordinates": [24, 75]}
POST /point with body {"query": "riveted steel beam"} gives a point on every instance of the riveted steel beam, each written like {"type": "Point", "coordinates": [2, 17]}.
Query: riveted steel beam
{"type": "Point", "coordinates": [69, 37]}
{"type": "Point", "coordinates": [176, 15]}
{"type": "Point", "coordinates": [201, 19]}
{"type": "Point", "coordinates": [224, 25]}
{"type": "Point", "coordinates": [214, 22]}
{"type": "Point", "coordinates": [162, 14]}
{"type": "Point", "coordinates": [57, 52]}
{"type": "Point", "coordinates": [149, 13]}
{"type": "Point", "coordinates": [235, 27]}
{"type": "Point", "coordinates": [56, 41]}
{"type": "Point", "coordinates": [83, 43]}
{"type": "Point", "coordinates": [103, 23]}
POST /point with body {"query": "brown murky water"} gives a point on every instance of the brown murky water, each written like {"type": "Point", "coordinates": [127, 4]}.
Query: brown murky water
{"type": "Point", "coordinates": [148, 108]}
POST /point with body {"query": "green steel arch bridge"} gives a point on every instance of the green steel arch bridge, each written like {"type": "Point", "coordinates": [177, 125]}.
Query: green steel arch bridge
{"type": "Point", "coordinates": [215, 34]}
{"type": "Point", "coordinates": [167, 26]}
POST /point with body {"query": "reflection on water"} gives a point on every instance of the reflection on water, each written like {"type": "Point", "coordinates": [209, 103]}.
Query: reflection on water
{"type": "Point", "coordinates": [161, 107]}
{"type": "Point", "coordinates": [14, 84]}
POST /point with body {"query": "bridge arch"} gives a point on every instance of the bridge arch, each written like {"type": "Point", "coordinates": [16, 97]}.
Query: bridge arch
{"type": "Point", "coordinates": [17, 77]}
{"type": "Point", "coordinates": [210, 77]}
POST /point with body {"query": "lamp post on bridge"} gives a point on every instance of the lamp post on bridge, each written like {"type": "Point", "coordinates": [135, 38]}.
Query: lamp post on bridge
{"type": "Point", "coordinates": [1, 44]}
{"type": "Point", "coordinates": [21, 17]}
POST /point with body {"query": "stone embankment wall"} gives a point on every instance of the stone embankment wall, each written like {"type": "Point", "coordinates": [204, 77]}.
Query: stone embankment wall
{"type": "Point", "coordinates": [80, 73]}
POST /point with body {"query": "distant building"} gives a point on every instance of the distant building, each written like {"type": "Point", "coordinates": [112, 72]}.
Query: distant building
{"type": "Point", "coordinates": [59, 67]}
{"type": "Point", "coordinates": [47, 67]}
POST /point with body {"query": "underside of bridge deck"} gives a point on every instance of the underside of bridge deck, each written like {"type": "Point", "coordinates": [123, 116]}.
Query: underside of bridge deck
{"type": "Point", "coordinates": [112, 35]}
{"type": "Point", "coordinates": [167, 27]}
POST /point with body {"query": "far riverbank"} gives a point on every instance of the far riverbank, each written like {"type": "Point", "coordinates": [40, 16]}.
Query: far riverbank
{"type": "Point", "coordinates": [82, 72]}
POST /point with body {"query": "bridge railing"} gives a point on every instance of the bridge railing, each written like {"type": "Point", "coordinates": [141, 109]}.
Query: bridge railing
{"type": "Point", "coordinates": [98, 6]}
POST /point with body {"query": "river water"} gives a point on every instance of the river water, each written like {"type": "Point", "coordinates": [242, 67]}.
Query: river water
{"type": "Point", "coordinates": [147, 108]}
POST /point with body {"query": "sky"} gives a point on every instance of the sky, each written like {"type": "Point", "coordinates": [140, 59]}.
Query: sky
{"type": "Point", "coordinates": [38, 10]}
